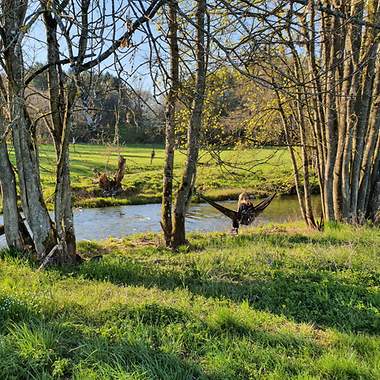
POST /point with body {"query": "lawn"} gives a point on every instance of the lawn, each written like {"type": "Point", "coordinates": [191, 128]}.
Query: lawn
{"type": "Point", "coordinates": [278, 302]}
{"type": "Point", "coordinates": [260, 171]}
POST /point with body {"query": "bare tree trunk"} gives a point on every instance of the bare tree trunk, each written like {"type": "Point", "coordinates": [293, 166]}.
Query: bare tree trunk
{"type": "Point", "coordinates": [370, 146]}
{"type": "Point", "coordinates": [316, 112]}
{"type": "Point", "coordinates": [61, 104]}
{"type": "Point", "coordinates": [116, 137]}
{"type": "Point", "coordinates": [293, 158]}
{"type": "Point", "coordinates": [343, 88]}
{"type": "Point", "coordinates": [331, 119]}
{"type": "Point", "coordinates": [306, 174]}
{"type": "Point", "coordinates": [373, 208]}
{"type": "Point", "coordinates": [170, 114]}
{"type": "Point", "coordinates": [16, 234]}
{"type": "Point", "coordinates": [369, 53]}
{"type": "Point", "coordinates": [195, 124]}
{"type": "Point", "coordinates": [26, 153]}
{"type": "Point", "coordinates": [302, 98]}
{"type": "Point", "coordinates": [63, 203]}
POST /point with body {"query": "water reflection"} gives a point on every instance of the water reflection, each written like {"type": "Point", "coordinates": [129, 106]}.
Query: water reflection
{"type": "Point", "coordinates": [101, 223]}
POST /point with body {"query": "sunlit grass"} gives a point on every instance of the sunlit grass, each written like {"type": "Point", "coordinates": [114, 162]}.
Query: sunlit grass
{"type": "Point", "coordinates": [260, 171]}
{"type": "Point", "coordinates": [277, 302]}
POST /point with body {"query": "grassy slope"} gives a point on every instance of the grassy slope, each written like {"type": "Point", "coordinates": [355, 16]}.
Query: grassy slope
{"type": "Point", "coordinates": [143, 182]}
{"type": "Point", "coordinates": [277, 303]}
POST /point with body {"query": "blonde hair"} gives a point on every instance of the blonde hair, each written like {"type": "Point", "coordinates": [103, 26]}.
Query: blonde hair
{"type": "Point", "coordinates": [244, 198]}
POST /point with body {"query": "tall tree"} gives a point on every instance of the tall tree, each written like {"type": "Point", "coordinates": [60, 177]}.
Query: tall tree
{"type": "Point", "coordinates": [170, 118]}
{"type": "Point", "coordinates": [14, 25]}
{"type": "Point", "coordinates": [195, 124]}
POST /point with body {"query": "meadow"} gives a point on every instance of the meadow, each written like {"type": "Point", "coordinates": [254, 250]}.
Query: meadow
{"type": "Point", "coordinates": [260, 171]}
{"type": "Point", "coordinates": [277, 302]}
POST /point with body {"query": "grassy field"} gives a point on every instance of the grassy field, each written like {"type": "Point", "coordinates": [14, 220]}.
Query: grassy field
{"type": "Point", "coordinates": [260, 171]}
{"type": "Point", "coordinates": [278, 302]}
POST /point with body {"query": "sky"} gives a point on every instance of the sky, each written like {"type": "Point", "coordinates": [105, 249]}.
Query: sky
{"type": "Point", "coordinates": [129, 60]}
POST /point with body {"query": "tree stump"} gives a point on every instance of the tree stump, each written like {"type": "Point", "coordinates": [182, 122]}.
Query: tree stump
{"type": "Point", "coordinates": [112, 186]}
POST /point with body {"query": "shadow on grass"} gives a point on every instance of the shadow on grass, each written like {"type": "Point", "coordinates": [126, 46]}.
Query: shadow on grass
{"type": "Point", "coordinates": [66, 348]}
{"type": "Point", "coordinates": [280, 240]}
{"type": "Point", "coordinates": [312, 297]}
{"type": "Point", "coordinates": [124, 339]}
{"type": "Point", "coordinates": [316, 296]}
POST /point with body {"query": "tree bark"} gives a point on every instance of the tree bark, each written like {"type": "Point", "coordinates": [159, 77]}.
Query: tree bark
{"type": "Point", "coordinates": [331, 119]}
{"type": "Point", "coordinates": [170, 115]}
{"type": "Point", "coordinates": [26, 153]}
{"type": "Point", "coordinates": [195, 124]}
{"type": "Point", "coordinates": [16, 234]}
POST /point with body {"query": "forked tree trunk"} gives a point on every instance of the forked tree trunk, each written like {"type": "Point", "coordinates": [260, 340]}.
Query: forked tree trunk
{"type": "Point", "coordinates": [62, 100]}
{"type": "Point", "coordinates": [170, 115]}
{"type": "Point", "coordinates": [195, 124]}
{"type": "Point", "coordinates": [24, 144]}
{"type": "Point", "coordinates": [64, 218]}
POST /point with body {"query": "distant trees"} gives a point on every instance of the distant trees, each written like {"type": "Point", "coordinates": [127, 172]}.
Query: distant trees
{"type": "Point", "coordinates": [237, 111]}
{"type": "Point", "coordinates": [104, 103]}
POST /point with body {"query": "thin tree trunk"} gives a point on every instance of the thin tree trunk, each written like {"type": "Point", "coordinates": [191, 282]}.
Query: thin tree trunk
{"type": "Point", "coordinates": [331, 122]}
{"type": "Point", "coordinates": [370, 146]}
{"type": "Point", "coordinates": [293, 158]}
{"type": "Point", "coordinates": [63, 203]}
{"type": "Point", "coordinates": [195, 124]}
{"type": "Point", "coordinates": [302, 98]}
{"type": "Point", "coordinates": [61, 104]}
{"type": "Point", "coordinates": [170, 115]}
{"type": "Point", "coordinates": [373, 209]}
{"type": "Point", "coordinates": [369, 53]}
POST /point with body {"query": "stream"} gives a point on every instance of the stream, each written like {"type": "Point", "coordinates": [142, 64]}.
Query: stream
{"type": "Point", "coordinates": [119, 221]}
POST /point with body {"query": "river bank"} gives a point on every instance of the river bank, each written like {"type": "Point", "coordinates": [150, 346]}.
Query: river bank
{"type": "Point", "coordinates": [119, 221]}
{"type": "Point", "coordinates": [277, 302]}
{"type": "Point", "coordinates": [260, 171]}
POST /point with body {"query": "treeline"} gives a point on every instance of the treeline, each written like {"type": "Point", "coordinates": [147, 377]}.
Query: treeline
{"type": "Point", "coordinates": [237, 112]}
{"type": "Point", "coordinates": [107, 111]}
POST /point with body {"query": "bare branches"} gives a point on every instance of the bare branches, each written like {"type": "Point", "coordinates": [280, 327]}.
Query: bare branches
{"type": "Point", "coordinates": [149, 14]}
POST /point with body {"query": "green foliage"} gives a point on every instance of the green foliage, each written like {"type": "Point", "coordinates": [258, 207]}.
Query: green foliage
{"type": "Point", "coordinates": [237, 112]}
{"type": "Point", "coordinates": [11, 309]}
{"type": "Point", "coordinates": [278, 302]}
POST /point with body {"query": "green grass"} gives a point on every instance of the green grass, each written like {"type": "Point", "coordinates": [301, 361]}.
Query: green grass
{"type": "Point", "coordinates": [278, 302]}
{"type": "Point", "coordinates": [143, 181]}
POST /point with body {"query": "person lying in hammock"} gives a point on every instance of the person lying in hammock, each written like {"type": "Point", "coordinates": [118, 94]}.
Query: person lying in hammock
{"type": "Point", "coordinates": [246, 211]}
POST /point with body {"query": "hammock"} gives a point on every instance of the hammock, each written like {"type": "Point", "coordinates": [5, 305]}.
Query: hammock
{"type": "Point", "coordinates": [234, 216]}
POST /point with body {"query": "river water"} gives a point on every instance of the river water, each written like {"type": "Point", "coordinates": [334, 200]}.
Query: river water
{"type": "Point", "coordinates": [119, 221]}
